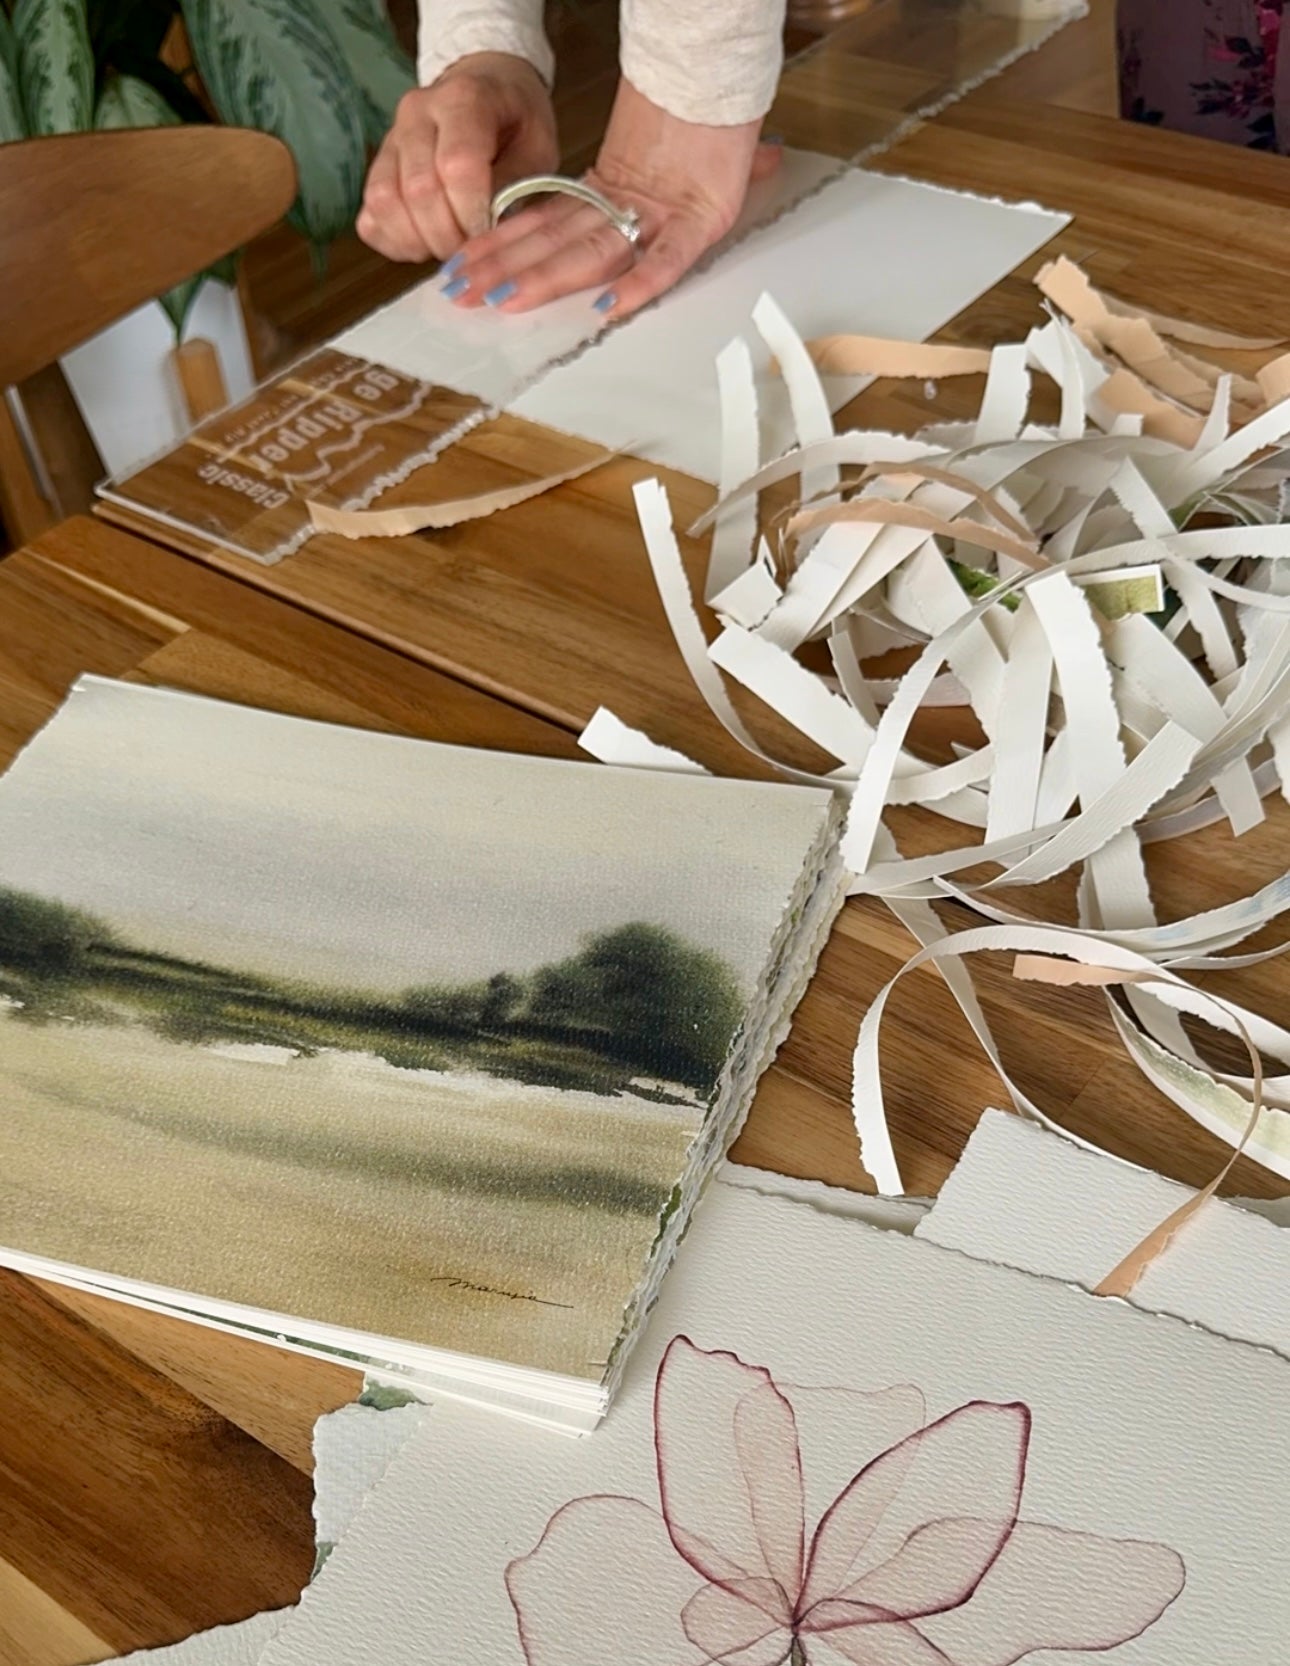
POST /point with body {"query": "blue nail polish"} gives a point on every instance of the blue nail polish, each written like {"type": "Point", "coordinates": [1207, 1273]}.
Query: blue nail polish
{"type": "Point", "coordinates": [772, 138]}
{"type": "Point", "coordinates": [450, 267]}
{"type": "Point", "coordinates": [503, 292]}
{"type": "Point", "coordinates": [458, 286]}
{"type": "Point", "coordinates": [602, 303]}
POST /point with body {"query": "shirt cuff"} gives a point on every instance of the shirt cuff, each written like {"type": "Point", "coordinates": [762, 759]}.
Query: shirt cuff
{"type": "Point", "coordinates": [719, 70]}
{"type": "Point", "coordinates": [442, 43]}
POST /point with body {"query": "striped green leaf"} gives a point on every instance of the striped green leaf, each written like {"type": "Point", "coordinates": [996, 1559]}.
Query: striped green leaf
{"type": "Point", "coordinates": [274, 64]}
{"type": "Point", "coordinates": [128, 102]}
{"type": "Point", "coordinates": [381, 69]}
{"type": "Point", "coordinates": [13, 121]}
{"type": "Point", "coordinates": [55, 65]}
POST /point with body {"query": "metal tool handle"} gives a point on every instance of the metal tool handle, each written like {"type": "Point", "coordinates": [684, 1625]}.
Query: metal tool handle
{"type": "Point", "coordinates": [624, 220]}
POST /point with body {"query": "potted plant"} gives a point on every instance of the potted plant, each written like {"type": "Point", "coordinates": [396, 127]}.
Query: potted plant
{"type": "Point", "coordinates": [322, 75]}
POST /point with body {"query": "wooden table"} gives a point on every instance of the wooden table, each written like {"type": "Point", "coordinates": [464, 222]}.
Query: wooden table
{"type": "Point", "coordinates": [153, 1477]}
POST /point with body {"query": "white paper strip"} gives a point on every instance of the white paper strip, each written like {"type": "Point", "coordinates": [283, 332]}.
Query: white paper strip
{"type": "Point", "coordinates": [613, 742]}
{"type": "Point", "coordinates": [1031, 568]}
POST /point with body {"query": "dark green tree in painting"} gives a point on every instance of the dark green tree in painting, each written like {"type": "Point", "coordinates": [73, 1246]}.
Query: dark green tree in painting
{"type": "Point", "coordinates": [654, 997]}
{"type": "Point", "coordinates": [47, 939]}
{"type": "Point", "coordinates": [635, 1000]}
{"type": "Point", "coordinates": [566, 996]}
{"type": "Point", "coordinates": [466, 1008]}
{"type": "Point", "coordinates": [502, 997]}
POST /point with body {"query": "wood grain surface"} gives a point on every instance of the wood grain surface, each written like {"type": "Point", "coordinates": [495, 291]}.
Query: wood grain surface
{"type": "Point", "coordinates": [153, 1476]}
{"type": "Point", "coordinates": [121, 217]}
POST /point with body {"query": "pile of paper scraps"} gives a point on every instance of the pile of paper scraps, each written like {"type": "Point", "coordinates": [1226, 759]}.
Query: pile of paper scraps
{"type": "Point", "coordinates": [1109, 596]}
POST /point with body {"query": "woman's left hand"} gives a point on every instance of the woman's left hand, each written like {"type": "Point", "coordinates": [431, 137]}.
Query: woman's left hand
{"type": "Point", "coordinates": [687, 183]}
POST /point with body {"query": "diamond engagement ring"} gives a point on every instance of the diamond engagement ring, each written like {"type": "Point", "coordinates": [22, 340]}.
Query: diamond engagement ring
{"type": "Point", "coordinates": [625, 221]}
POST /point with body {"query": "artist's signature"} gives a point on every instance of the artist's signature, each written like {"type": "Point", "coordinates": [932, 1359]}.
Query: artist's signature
{"type": "Point", "coordinates": [455, 1283]}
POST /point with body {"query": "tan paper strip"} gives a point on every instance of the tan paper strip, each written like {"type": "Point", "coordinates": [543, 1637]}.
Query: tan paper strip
{"type": "Point", "coordinates": [437, 517]}
{"type": "Point", "coordinates": [1067, 287]}
{"type": "Point", "coordinates": [961, 483]}
{"type": "Point", "coordinates": [1175, 373]}
{"type": "Point", "coordinates": [1274, 380]}
{"type": "Point", "coordinates": [882, 513]}
{"type": "Point", "coordinates": [841, 450]}
{"type": "Point", "coordinates": [1133, 338]}
{"type": "Point", "coordinates": [1125, 1275]}
{"type": "Point", "coordinates": [1200, 335]}
{"type": "Point", "coordinates": [873, 356]}
{"type": "Point", "coordinates": [1123, 391]}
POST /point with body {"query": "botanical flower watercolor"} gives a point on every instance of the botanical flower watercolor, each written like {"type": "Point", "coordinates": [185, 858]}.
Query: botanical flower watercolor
{"type": "Point", "coordinates": [922, 1556]}
{"type": "Point", "coordinates": [841, 1446]}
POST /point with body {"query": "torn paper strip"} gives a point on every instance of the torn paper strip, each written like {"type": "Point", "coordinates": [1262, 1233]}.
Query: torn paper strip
{"type": "Point", "coordinates": [1109, 600]}
{"type": "Point", "coordinates": [404, 518]}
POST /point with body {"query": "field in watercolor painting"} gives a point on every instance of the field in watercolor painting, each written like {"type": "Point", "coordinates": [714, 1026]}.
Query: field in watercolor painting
{"type": "Point", "coordinates": [500, 1221]}
{"type": "Point", "coordinates": [480, 1165]}
{"type": "Point", "coordinates": [405, 1039]}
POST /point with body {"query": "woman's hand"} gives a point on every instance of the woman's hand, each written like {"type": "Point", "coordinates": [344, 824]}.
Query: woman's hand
{"type": "Point", "coordinates": [485, 122]}
{"type": "Point", "coordinates": [687, 183]}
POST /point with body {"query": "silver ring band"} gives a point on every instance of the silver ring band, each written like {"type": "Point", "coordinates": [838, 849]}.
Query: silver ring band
{"type": "Point", "coordinates": [625, 221]}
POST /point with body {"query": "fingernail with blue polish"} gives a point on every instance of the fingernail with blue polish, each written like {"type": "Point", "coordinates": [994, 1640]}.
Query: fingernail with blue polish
{"type": "Point", "coordinates": [450, 267]}
{"type": "Point", "coordinates": [503, 292]}
{"type": "Point", "coordinates": [603, 302]}
{"type": "Point", "coordinates": [772, 138]}
{"type": "Point", "coordinates": [458, 286]}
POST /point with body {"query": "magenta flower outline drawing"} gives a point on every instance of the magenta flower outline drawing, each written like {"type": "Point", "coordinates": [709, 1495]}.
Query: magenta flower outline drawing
{"type": "Point", "coordinates": [826, 1527]}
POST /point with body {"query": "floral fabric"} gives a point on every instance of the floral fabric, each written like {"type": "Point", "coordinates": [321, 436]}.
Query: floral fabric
{"type": "Point", "coordinates": [1210, 67]}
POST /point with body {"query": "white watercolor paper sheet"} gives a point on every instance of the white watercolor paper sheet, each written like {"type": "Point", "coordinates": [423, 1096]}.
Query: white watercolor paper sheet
{"type": "Point", "coordinates": [354, 1446]}
{"type": "Point", "coordinates": [493, 355]}
{"type": "Point", "coordinates": [866, 251]}
{"type": "Point", "coordinates": [918, 1460]}
{"type": "Point", "coordinates": [1024, 1197]}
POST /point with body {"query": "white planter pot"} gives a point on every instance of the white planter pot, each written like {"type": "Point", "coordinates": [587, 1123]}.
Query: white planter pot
{"type": "Point", "coordinates": [125, 383]}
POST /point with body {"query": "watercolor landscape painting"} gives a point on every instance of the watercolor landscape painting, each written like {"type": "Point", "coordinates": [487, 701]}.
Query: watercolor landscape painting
{"type": "Point", "coordinates": [376, 1034]}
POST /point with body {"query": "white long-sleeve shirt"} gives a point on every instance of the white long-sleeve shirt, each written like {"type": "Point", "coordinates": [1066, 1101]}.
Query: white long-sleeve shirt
{"type": "Point", "coordinates": [710, 61]}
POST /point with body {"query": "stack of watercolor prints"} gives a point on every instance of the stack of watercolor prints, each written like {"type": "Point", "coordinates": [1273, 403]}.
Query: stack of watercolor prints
{"type": "Point", "coordinates": [415, 1054]}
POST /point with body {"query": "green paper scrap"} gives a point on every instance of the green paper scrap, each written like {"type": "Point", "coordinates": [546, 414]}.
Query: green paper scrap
{"type": "Point", "coordinates": [1129, 590]}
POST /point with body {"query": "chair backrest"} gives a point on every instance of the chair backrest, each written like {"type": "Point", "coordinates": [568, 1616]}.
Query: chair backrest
{"type": "Point", "coordinates": [94, 224]}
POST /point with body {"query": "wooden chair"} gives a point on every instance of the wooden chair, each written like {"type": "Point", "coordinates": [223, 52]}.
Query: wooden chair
{"type": "Point", "coordinates": [92, 225]}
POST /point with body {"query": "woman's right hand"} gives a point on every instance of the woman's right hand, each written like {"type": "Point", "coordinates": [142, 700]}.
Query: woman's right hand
{"type": "Point", "coordinates": [485, 122]}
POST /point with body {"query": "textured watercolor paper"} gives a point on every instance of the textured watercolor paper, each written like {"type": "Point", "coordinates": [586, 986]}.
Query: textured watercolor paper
{"type": "Point", "coordinates": [410, 1052]}
{"type": "Point", "coordinates": [868, 252]}
{"type": "Point", "coordinates": [647, 385]}
{"type": "Point", "coordinates": [493, 355]}
{"type": "Point", "coordinates": [353, 1448]}
{"type": "Point", "coordinates": [916, 1459]}
{"type": "Point", "coordinates": [240, 1644]}
{"type": "Point", "coordinates": [1024, 1197]}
